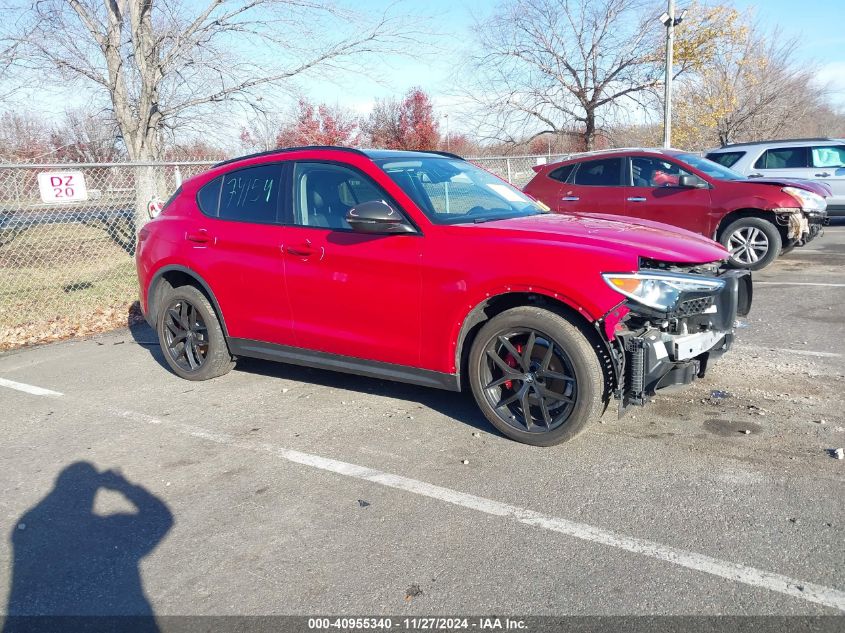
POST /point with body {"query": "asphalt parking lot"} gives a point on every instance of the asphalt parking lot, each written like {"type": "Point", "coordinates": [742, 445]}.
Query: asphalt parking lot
{"type": "Point", "coordinates": [281, 490]}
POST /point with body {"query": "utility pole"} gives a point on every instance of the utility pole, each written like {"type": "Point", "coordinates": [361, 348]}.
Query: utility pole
{"type": "Point", "coordinates": [670, 22]}
{"type": "Point", "coordinates": [667, 95]}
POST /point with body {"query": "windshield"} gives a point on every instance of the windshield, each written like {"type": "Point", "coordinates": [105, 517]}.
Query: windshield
{"type": "Point", "coordinates": [714, 170]}
{"type": "Point", "coordinates": [452, 191]}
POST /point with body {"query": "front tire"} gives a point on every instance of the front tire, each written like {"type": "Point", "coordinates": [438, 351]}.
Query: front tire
{"type": "Point", "coordinates": [754, 243]}
{"type": "Point", "coordinates": [536, 376]}
{"type": "Point", "coordinates": [190, 335]}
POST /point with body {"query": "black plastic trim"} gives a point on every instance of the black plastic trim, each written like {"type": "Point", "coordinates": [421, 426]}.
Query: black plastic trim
{"type": "Point", "coordinates": [347, 364]}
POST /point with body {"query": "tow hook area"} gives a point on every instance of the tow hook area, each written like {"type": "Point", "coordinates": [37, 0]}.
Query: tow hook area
{"type": "Point", "coordinates": [797, 225]}
{"type": "Point", "coordinates": [655, 360]}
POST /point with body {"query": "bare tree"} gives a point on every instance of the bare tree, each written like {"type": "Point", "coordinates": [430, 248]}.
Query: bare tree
{"type": "Point", "coordinates": [753, 88]}
{"type": "Point", "coordinates": [561, 67]}
{"type": "Point", "coordinates": [161, 64]}
{"type": "Point", "coordinates": [86, 138]}
{"type": "Point", "coordinates": [261, 132]}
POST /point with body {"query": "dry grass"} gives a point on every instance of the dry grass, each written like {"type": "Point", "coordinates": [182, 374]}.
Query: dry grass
{"type": "Point", "coordinates": [59, 281]}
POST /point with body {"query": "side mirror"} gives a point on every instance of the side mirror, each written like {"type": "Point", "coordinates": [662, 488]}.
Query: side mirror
{"type": "Point", "coordinates": [376, 216]}
{"type": "Point", "coordinates": [694, 182]}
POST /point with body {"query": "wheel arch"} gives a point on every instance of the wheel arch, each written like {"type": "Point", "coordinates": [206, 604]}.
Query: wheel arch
{"type": "Point", "coordinates": [750, 212]}
{"type": "Point", "coordinates": [496, 304]}
{"type": "Point", "coordinates": [173, 276]}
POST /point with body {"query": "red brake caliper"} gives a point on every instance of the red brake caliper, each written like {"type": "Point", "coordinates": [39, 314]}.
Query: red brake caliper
{"type": "Point", "coordinates": [511, 361]}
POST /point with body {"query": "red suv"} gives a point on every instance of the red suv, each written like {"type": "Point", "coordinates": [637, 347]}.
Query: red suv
{"type": "Point", "coordinates": [754, 219]}
{"type": "Point", "coordinates": [422, 268]}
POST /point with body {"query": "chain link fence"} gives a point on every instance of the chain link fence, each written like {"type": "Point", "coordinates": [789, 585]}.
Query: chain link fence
{"type": "Point", "coordinates": [66, 264]}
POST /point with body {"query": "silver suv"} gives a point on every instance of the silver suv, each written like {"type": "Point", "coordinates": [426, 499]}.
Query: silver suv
{"type": "Point", "coordinates": [819, 159]}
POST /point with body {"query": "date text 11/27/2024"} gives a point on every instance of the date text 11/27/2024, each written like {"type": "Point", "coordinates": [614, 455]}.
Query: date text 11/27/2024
{"type": "Point", "coordinates": [417, 624]}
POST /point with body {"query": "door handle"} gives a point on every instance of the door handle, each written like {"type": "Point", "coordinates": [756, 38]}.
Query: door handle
{"type": "Point", "coordinates": [636, 199]}
{"type": "Point", "coordinates": [755, 175]}
{"type": "Point", "coordinates": [198, 237]}
{"type": "Point", "coordinates": [570, 198]}
{"type": "Point", "coordinates": [824, 174]}
{"type": "Point", "coordinates": [300, 250]}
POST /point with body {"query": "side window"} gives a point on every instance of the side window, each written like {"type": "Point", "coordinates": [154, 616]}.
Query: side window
{"type": "Point", "coordinates": [725, 159]}
{"type": "Point", "coordinates": [208, 198]}
{"type": "Point", "coordinates": [562, 173]}
{"type": "Point", "coordinates": [783, 158]}
{"type": "Point", "coordinates": [606, 172]}
{"type": "Point", "coordinates": [324, 193]}
{"type": "Point", "coordinates": [829, 156]}
{"type": "Point", "coordinates": [251, 194]}
{"type": "Point", "coordinates": [655, 172]}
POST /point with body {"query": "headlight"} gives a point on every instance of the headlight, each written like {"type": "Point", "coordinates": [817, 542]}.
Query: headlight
{"type": "Point", "coordinates": [660, 290]}
{"type": "Point", "coordinates": [808, 200]}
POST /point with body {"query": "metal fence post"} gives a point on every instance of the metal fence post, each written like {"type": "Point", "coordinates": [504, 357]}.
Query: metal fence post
{"type": "Point", "coordinates": [508, 163]}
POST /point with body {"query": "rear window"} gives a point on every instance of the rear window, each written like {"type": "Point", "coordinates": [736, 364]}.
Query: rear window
{"type": "Point", "coordinates": [208, 197]}
{"type": "Point", "coordinates": [783, 158]}
{"type": "Point", "coordinates": [600, 173]}
{"type": "Point", "coordinates": [562, 173]}
{"type": "Point", "coordinates": [725, 159]}
{"type": "Point", "coordinates": [829, 156]}
{"type": "Point", "coordinates": [245, 195]}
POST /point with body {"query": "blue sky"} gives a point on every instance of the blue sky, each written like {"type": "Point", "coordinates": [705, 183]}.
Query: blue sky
{"type": "Point", "coordinates": [818, 24]}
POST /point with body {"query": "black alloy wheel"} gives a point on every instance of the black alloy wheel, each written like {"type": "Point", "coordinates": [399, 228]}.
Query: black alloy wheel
{"type": "Point", "coordinates": [529, 380]}
{"type": "Point", "coordinates": [537, 376]}
{"type": "Point", "coordinates": [185, 335]}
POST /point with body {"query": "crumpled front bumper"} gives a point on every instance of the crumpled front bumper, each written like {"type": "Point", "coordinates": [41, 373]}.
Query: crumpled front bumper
{"type": "Point", "coordinates": [654, 353]}
{"type": "Point", "coordinates": [802, 226]}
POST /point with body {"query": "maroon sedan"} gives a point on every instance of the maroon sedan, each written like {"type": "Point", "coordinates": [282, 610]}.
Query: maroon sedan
{"type": "Point", "coordinates": [754, 219]}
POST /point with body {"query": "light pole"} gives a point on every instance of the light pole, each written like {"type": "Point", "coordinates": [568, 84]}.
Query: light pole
{"type": "Point", "coordinates": [670, 22]}
{"type": "Point", "coordinates": [446, 116]}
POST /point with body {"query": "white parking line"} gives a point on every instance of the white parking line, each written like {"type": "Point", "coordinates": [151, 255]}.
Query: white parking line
{"type": "Point", "coordinates": [735, 572]}
{"type": "Point", "coordinates": [799, 352]}
{"type": "Point", "coordinates": [35, 391]}
{"type": "Point", "coordinates": [796, 283]}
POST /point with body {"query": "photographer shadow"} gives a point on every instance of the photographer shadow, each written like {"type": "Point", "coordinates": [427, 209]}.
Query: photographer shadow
{"type": "Point", "coordinates": [70, 561]}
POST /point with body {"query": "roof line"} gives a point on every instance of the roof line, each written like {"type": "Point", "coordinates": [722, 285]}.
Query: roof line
{"type": "Point", "coordinates": [446, 154]}
{"type": "Point", "coordinates": [782, 140]}
{"type": "Point", "coordinates": [282, 150]}
{"type": "Point", "coordinates": [614, 150]}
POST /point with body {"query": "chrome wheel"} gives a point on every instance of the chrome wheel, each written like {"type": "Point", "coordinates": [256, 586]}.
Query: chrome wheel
{"type": "Point", "coordinates": [529, 380]}
{"type": "Point", "coordinates": [185, 335]}
{"type": "Point", "coordinates": [748, 245]}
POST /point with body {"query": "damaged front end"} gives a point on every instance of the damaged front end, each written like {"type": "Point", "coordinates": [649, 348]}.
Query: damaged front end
{"type": "Point", "coordinates": [804, 222]}
{"type": "Point", "coordinates": [801, 226]}
{"type": "Point", "coordinates": [674, 322]}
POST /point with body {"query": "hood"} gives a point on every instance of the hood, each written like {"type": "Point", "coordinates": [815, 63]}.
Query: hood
{"type": "Point", "coordinates": [638, 237]}
{"type": "Point", "coordinates": [823, 189]}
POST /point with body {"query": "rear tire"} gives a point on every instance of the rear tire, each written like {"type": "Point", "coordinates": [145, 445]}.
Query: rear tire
{"type": "Point", "coordinates": [190, 335]}
{"type": "Point", "coordinates": [754, 243]}
{"type": "Point", "coordinates": [529, 360]}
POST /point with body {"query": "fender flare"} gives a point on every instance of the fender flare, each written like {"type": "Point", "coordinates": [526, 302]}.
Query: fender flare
{"type": "Point", "coordinates": [206, 288]}
{"type": "Point", "coordinates": [475, 315]}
